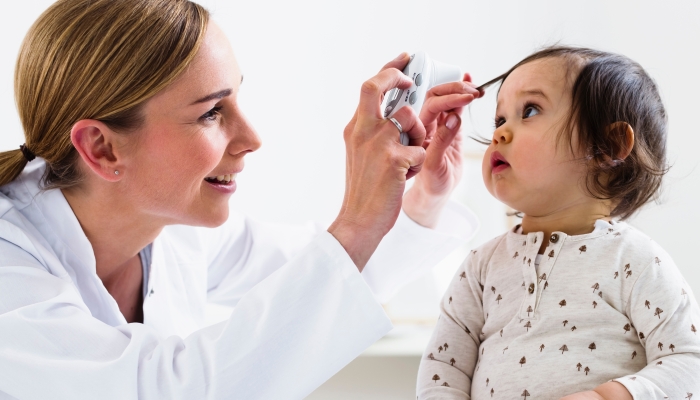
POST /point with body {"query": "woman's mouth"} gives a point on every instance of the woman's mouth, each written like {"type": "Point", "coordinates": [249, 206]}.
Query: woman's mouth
{"type": "Point", "coordinates": [221, 179]}
{"type": "Point", "coordinates": [225, 184]}
{"type": "Point", "coordinates": [498, 163]}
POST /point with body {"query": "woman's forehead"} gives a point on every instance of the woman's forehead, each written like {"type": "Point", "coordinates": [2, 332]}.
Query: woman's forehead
{"type": "Point", "coordinates": [212, 70]}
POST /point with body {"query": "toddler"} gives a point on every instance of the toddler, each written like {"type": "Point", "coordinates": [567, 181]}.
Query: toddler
{"type": "Point", "coordinates": [571, 303]}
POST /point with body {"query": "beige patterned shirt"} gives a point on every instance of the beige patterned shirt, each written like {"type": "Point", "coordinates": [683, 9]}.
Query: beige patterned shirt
{"type": "Point", "coordinates": [608, 305]}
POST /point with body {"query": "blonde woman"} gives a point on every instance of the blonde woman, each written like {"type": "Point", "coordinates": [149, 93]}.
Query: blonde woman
{"type": "Point", "coordinates": [115, 228]}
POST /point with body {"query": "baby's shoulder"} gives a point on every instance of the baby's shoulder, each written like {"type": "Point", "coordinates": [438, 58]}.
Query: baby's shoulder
{"type": "Point", "coordinates": [633, 241]}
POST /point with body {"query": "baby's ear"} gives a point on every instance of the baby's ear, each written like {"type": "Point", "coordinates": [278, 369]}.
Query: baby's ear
{"type": "Point", "coordinates": [621, 139]}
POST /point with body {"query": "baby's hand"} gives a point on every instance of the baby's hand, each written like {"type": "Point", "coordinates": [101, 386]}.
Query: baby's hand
{"type": "Point", "coordinates": [589, 395]}
{"type": "Point", "coordinates": [606, 391]}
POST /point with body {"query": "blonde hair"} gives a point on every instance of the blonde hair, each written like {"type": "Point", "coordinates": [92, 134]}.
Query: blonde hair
{"type": "Point", "coordinates": [95, 59]}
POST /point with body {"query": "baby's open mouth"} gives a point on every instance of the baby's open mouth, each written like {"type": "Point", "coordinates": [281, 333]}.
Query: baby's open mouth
{"type": "Point", "coordinates": [498, 162]}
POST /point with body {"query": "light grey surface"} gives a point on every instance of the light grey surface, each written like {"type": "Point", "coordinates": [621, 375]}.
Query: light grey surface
{"type": "Point", "coordinates": [372, 378]}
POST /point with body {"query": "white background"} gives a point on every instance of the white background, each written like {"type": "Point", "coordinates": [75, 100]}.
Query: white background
{"type": "Point", "coordinates": [304, 62]}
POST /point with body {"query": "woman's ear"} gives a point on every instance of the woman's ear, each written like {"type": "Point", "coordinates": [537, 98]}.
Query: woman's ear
{"type": "Point", "coordinates": [624, 139]}
{"type": "Point", "coordinates": [94, 141]}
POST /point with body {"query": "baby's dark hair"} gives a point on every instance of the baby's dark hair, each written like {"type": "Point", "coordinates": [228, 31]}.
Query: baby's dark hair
{"type": "Point", "coordinates": [610, 88]}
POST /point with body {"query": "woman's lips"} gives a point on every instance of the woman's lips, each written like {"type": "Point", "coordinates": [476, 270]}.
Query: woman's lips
{"type": "Point", "coordinates": [498, 163]}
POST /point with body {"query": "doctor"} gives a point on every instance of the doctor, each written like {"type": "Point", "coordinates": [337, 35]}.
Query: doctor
{"type": "Point", "coordinates": [115, 228]}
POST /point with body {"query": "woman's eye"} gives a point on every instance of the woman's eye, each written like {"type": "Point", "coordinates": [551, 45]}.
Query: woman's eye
{"type": "Point", "coordinates": [530, 111]}
{"type": "Point", "coordinates": [211, 115]}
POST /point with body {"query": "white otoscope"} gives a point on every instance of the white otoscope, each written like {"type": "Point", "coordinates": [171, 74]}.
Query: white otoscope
{"type": "Point", "coordinates": [425, 73]}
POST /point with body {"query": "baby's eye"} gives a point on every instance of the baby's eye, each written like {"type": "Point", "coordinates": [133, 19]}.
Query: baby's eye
{"type": "Point", "coordinates": [530, 111]}
{"type": "Point", "coordinates": [499, 121]}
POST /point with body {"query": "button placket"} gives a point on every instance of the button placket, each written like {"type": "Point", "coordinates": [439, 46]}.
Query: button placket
{"type": "Point", "coordinates": [531, 295]}
{"type": "Point", "coordinates": [549, 259]}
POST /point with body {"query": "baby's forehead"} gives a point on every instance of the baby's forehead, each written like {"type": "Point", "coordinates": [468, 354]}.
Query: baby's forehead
{"type": "Point", "coordinates": [550, 76]}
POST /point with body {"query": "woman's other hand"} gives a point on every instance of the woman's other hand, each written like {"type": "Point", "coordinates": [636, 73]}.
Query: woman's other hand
{"type": "Point", "coordinates": [442, 168]}
{"type": "Point", "coordinates": [377, 165]}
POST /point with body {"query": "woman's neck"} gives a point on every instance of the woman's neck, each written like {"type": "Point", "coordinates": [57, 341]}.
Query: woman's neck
{"type": "Point", "coordinates": [575, 219]}
{"type": "Point", "coordinates": [116, 231]}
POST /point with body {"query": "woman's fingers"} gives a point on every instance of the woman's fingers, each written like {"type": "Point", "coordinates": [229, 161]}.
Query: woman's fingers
{"type": "Point", "coordinates": [373, 90]}
{"type": "Point", "coordinates": [410, 125]}
{"type": "Point", "coordinates": [446, 97]}
{"type": "Point", "coordinates": [398, 63]}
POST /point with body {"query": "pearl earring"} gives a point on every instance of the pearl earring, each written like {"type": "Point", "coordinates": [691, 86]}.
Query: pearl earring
{"type": "Point", "coordinates": [116, 172]}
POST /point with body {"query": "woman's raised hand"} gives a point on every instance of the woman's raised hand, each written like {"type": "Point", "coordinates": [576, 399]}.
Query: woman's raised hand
{"type": "Point", "coordinates": [442, 168]}
{"type": "Point", "coordinates": [377, 165]}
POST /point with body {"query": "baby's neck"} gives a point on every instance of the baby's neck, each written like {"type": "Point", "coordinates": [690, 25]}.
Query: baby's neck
{"type": "Point", "coordinates": [578, 219]}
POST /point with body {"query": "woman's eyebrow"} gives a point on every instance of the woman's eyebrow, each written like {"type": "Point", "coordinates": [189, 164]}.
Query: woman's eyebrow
{"type": "Point", "coordinates": [214, 96]}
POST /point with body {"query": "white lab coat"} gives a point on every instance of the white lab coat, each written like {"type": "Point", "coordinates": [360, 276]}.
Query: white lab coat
{"type": "Point", "coordinates": [301, 309]}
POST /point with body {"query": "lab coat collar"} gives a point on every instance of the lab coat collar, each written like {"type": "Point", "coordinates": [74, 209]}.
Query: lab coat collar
{"type": "Point", "coordinates": [69, 252]}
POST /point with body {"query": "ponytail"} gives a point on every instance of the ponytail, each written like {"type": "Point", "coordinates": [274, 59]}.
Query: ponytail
{"type": "Point", "coordinates": [11, 165]}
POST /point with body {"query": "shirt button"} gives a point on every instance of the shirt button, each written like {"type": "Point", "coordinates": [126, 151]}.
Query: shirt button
{"type": "Point", "coordinates": [531, 289]}
{"type": "Point", "coordinates": [554, 238]}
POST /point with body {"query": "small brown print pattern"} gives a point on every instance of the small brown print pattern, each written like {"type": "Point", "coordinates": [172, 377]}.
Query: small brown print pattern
{"type": "Point", "coordinates": [595, 287]}
{"type": "Point", "coordinates": [658, 312]}
{"type": "Point", "coordinates": [452, 362]}
{"type": "Point", "coordinates": [491, 392]}
{"type": "Point", "coordinates": [445, 346]}
{"type": "Point", "coordinates": [647, 304]}
{"type": "Point", "coordinates": [616, 274]}
{"type": "Point", "coordinates": [689, 395]}
{"type": "Point", "coordinates": [498, 299]}
{"type": "Point", "coordinates": [515, 255]}
{"type": "Point", "coordinates": [525, 394]}
{"type": "Point", "coordinates": [493, 289]}
{"type": "Point", "coordinates": [579, 366]}
{"type": "Point", "coordinates": [573, 328]}
{"type": "Point", "coordinates": [566, 321]}
{"type": "Point", "coordinates": [582, 249]}
{"type": "Point", "coordinates": [628, 274]}
{"type": "Point", "coordinates": [446, 384]}
{"type": "Point", "coordinates": [592, 346]}
{"type": "Point", "coordinates": [692, 329]}
{"type": "Point", "coordinates": [551, 254]}
{"type": "Point", "coordinates": [436, 378]}
{"type": "Point", "coordinates": [641, 335]}
{"type": "Point", "coordinates": [672, 348]}
{"type": "Point", "coordinates": [634, 354]}
{"type": "Point", "coordinates": [594, 304]}
{"type": "Point", "coordinates": [627, 328]}
{"type": "Point", "coordinates": [660, 346]}
{"type": "Point", "coordinates": [529, 310]}
{"type": "Point", "coordinates": [462, 275]}
{"type": "Point", "coordinates": [657, 261]}
{"type": "Point", "coordinates": [541, 347]}
{"type": "Point", "coordinates": [627, 266]}
{"type": "Point", "coordinates": [562, 303]}
{"type": "Point", "coordinates": [563, 349]}
{"type": "Point", "coordinates": [431, 356]}
{"type": "Point", "coordinates": [522, 361]}
{"type": "Point", "coordinates": [587, 370]}
{"type": "Point", "coordinates": [527, 325]}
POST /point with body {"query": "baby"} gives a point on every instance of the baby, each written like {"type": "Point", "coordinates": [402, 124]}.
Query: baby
{"type": "Point", "coordinates": [571, 303]}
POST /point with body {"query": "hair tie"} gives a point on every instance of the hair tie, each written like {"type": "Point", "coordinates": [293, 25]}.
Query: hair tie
{"type": "Point", "coordinates": [27, 153]}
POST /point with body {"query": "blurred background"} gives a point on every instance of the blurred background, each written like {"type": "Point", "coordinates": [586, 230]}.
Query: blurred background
{"type": "Point", "coordinates": [304, 62]}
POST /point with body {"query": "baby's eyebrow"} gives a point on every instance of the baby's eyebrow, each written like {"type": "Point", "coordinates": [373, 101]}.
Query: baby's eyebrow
{"type": "Point", "coordinates": [533, 92]}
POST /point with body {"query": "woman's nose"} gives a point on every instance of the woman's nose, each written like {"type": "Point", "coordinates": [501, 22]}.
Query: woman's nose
{"type": "Point", "coordinates": [245, 138]}
{"type": "Point", "coordinates": [502, 135]}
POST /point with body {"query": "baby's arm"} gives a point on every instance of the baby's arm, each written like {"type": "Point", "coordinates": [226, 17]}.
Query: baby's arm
{"type": "Point", "coordinates": [666, 316]}
{"type": "Point", "coordinates": [449, 360]}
